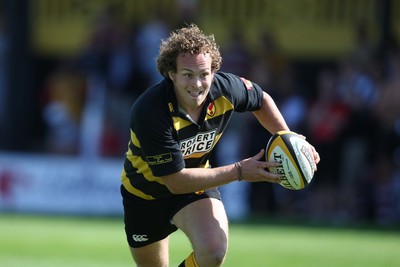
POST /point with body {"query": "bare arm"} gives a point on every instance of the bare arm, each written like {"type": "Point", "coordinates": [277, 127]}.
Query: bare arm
{"type": "Point", "coordinates": [269, 116]}
{"type": "Point", "coordinates": [271, 119]}
{"type": "Point", "coordinates": [195, 179]}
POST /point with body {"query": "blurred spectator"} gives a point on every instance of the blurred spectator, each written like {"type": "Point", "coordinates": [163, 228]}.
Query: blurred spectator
{"type": "Point", "coordinates": [354, 86]}
{"type": "Point", "coordinates": [147, 42]}
{"type": "Point", "coordinates": [92, 126]}
{"type": "Point", "coordinates": [269, 63]}
{"type": "Point", "coordinates": [292, 104]}
{"type": "Point", "coordinates": [105, 36]}
{"type": "Point", "coordinates": [384, 186]}
{"type": "Point", "coordinates": [364, 47]}
{"type": "Point", "coordinates": [359, 91]}
{"type": "Point", "coordinates": [108, 61]}
{"type": "Point", "coordinates": [385, 178]}
{"type": "Point", "coordinates": [188, 11]}
{"type": "Point", "coordinates": [387, 107]}
{"type": "Point", "coordinates": [63, 96]}
{"type": "Point", "coordinates": [326, 122]}
{"type": "Point", "coordinates": [236, 57]}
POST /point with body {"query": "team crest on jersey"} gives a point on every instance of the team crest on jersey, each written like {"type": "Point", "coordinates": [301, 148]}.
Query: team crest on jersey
{"type": "Point", "coordinates": [247, 83]}
{"type": "Point", "coordinates": [200, 143]}
{"type": "Point", "coordinates": [211, 109]}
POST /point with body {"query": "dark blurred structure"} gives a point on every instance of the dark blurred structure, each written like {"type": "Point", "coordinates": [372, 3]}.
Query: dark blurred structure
{"type": "Point", "coordinates": [69, 71]}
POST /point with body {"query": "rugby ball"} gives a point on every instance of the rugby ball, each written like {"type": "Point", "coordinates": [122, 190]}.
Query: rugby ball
{"type": "Point", "coordinates": [294, 153]}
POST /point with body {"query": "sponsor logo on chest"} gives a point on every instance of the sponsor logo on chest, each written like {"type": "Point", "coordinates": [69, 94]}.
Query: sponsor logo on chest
{"type": "Point", "coordinates": [200, 143]}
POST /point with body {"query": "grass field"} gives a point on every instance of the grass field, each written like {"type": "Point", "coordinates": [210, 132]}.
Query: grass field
{"type": "Point", "coordinates": [34, 241]}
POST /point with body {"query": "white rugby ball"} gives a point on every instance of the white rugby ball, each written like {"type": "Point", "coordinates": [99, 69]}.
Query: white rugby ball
{"type": "Point", "coordinates": [295, 155]}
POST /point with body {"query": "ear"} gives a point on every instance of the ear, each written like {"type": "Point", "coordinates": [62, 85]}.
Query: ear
{"type": "Point", "coordinates": [171, 75]}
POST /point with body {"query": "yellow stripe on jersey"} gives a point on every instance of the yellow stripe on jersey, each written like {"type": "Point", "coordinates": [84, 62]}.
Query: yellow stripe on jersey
{"type": "Point", "coordinates": [143, 168]}
{"type": "Point", "coordinates": [128, 186]}
{"type": "Point", "coordinates": [134, 139]}
{"type": "Point", "coordinates": [180, 123]}
{"type": "Point", "coordinates": [222, 105]}
{"type": "Point", "coordinates": [138, 163]}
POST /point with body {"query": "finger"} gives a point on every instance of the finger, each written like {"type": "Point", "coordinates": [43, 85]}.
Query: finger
{"type": "Point", "coordinates": [269, 164]}
{"type": "Point", "coordinates": [273, 178]}
{"type": "Point", "coordinates": [316, 159]}
{"type": "Point", "coordinates": [315, 154]}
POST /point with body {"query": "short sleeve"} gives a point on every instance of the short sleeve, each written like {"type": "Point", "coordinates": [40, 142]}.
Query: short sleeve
{"type": "Point", "coordinates": [244, 94]}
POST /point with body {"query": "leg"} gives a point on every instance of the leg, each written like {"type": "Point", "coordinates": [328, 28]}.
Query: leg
{"type": "Point", "coordinates": [206, 225]}
{"type": "Point", "coordinates": [147, 228]}
{"type": "Point", "coordinates": [153, 255]}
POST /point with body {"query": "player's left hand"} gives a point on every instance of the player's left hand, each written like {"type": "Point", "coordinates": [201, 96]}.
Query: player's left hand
{"type": "Point", "coordinates": [314, 151]}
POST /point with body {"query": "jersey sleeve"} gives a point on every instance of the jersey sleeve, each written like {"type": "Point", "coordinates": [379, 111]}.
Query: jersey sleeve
{"type": "Point", "coordinates": [154, 133]}
{"type": "Point", "coordinates": [244, 94]}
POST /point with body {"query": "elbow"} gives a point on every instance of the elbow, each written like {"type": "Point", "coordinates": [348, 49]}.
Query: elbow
{"type": "Point", "coordinates": [173, 184]}
{"type": "Point", "coordinates": [175, 189]}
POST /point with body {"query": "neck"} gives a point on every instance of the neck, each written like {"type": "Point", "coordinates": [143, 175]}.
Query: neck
{"type": "Point", "coordinates": [193, 113]}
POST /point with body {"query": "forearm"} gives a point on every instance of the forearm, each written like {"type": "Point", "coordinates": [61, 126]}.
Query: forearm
{"type": "Point", "coordinates": [195, 179]}
{"type": "Point", "coordinates": [252, 169]}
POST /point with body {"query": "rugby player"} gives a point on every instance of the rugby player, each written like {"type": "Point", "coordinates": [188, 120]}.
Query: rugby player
{"type": "Point", "coordinates": [167, 181]}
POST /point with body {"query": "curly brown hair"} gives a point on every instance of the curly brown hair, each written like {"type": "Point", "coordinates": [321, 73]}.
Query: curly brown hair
{"type": "Point", "coordinates": [189, 39]}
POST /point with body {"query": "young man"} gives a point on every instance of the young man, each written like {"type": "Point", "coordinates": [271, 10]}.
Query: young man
{"type": "Point", "coordinates": [167, 182]}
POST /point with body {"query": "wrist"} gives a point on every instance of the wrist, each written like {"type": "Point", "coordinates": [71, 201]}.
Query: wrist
{"type": "Point", "coordinates": [238, 168]}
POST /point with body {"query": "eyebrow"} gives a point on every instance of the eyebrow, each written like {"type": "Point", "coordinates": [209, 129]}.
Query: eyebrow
{"type": "Point", "coordinates": [202, 70]}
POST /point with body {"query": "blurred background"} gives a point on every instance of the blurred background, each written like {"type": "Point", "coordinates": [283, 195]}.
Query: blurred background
{"type": "Point", "coordinates": [70, 70]}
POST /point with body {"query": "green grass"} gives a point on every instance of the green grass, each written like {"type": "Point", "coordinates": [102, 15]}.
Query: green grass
{"type": "Point", "coordinates": [85, 242]}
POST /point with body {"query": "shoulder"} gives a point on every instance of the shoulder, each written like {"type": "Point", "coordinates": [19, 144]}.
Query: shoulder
{"type": "Point", "coordinates": [153, 102]}
{"type": "Point", "coordinates": [244, 94]}
{"type": "Point", "coordinates": [230, 80]}
{"type": "Point", "coordinates": [152, 97]}
{"type": "Point", "coordinates": [229, 83]}
{"type": "Point", "coordinates": [226, 79]}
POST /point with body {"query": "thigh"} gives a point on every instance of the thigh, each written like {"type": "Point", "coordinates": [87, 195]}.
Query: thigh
{"type": "Point", "coordinates": [206, 225]}
{"type": "Point", "coordinates": [153, 255]}
{"type": "Point", "coordinates": [146, 222]}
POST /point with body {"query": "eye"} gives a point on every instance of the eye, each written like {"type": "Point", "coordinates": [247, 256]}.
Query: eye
{"type": "Point", "coordinates": [188, 75]}
{"type": "Point", "coordinates": [204, 75]}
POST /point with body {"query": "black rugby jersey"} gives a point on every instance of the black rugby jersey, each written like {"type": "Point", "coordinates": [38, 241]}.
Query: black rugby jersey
{"type": "Point", "coordinates": [164, 140]}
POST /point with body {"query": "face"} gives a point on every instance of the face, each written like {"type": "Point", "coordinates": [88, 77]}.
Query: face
{"type": "Point", "coordinates": [192, 79]}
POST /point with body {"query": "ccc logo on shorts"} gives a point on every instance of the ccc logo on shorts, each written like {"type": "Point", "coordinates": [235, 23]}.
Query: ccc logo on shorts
{"type": "Point", "coordinates": [140, 238]}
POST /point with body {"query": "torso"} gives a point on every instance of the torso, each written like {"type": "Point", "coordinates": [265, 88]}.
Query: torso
{"type": "Point", "coordinates": [165, 140]}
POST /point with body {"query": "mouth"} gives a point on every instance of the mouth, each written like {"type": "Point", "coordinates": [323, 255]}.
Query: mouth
{"type": "Point", "coordinates": [195, 93]}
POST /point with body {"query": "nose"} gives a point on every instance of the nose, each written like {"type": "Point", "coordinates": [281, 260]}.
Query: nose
{"type": "Point", "coordinates": [196, 83]}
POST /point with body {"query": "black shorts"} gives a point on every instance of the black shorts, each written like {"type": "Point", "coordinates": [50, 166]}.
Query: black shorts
{"type": "Point", "coordinates": [148, 221]}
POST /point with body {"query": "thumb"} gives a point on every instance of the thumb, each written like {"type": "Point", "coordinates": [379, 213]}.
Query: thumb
{"type": "Point", "coordinates": [259, 155]}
